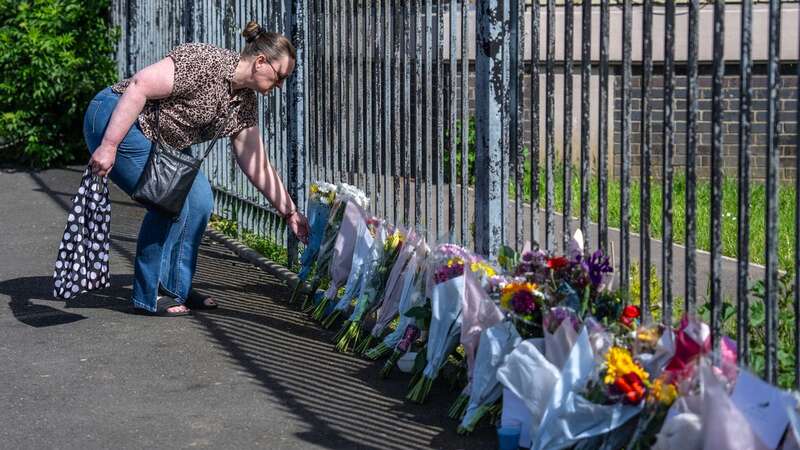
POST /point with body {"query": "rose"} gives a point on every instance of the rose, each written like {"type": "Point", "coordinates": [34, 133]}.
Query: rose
{"type": "Point", "coordinates": [557, 262]}
{"type": "Point", "coordinates": [630, 313]}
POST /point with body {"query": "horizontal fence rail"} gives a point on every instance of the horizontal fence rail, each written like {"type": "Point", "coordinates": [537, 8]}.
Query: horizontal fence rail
{"type": "Point", "coordinates": [461, 119]}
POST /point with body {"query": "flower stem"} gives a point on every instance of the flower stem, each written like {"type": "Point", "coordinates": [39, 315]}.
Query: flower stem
{"type": "Point", "coordinates": [364, 345]}
{"type": "Point", "coordinates": [350, 337]}
{"type": "Point", "coordinates": [331, 319]}
{"type": "Point", "coordinates": [377, 352]}
{"type": "Point", "coordinates": [419, 393]}
{"type": "Point", "coordinates": [319, 311]}
{"type": "Point", "coordinates": [458, 407]}
{"type": "Point", "coordinates": [390, 363]}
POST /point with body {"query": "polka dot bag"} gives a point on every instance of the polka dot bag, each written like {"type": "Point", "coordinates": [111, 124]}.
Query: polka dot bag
{"type": "Point", "coordinates": [82, 262]}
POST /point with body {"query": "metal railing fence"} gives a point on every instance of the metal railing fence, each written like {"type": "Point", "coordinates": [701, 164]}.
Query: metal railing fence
{"type": "Point", "coordinates": [444, 112]}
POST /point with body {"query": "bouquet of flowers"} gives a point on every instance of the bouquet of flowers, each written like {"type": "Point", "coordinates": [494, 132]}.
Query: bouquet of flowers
{"type": "Point", "coordinates": [411, 295]}
{"type": "Point", "coordinates": [478, 314]}
{"type": "Point", "coordinates": [321, 198]}
{"type": "Point", "coordinates": [390, 305]}
{"type": "Point", "coordinates": [523, 301]}
{"type": "Point", "coordinates": [363, 259]}
{"type": "Point", "coordinates": [371, 292]}
{"type": "Point", "coordinates": [342, 256]}
{"type": "Point", "coordinates": [345, 194]}
{"type": "Point", "coordinates": [446, 306]}
{"type": "Point", "coordinates": [496, 343]}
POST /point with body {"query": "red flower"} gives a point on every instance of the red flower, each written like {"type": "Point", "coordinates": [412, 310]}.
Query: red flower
{"type": "Point", "coordinates": [631, 386]}
{"type": "Point", "coordinates": [628, 314]}
{"type": "Point", "coordinates": [557, 262]}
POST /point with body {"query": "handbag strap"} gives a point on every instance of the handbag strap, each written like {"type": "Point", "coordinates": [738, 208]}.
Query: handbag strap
{"type": "Point", "coordinates": [213, 141]}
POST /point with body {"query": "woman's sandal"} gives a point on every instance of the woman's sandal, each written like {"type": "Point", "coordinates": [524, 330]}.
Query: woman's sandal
{"type": "Point", "coordinates": [163, 303]}
{"type": "Point", "coordinates": [197, 300]}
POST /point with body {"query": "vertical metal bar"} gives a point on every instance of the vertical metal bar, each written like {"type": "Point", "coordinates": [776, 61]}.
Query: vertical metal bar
{"type": "Point", "coordinates": [297, 115]}
{"type": "Point", "coordinates": [465, 121]}
{"type": "Point", "coordinates": [669, 149]}
{"type": "Point", "coordinates": [453, 65]}
{"type": "Point", "coordinates": [644, 163]}
{"type": "Point", "coordinates": [602, 132]}
{"type": "Point", "coordinates": [569, 26]}
{"type": "Point", "coordinates": [350, 73]}
{"type": "Point", "coordinates": [517, 109]}
{"type": "Point", "coordinates": [335, 102]}
{"type": "Point", "coordinates": [506, 116]}
{"type": "Point", "coordinates": [440, 130]}
{"type": "Point", "coordinates": [388, 84]}
{"type": "Point", "coordinates": [427, 117]}
{"type": "Point", "coordinates": [489, 94]}
{"type": "Point", "coordinates": [374, 91]}
{"type": "Point", "coordinates": [535, 33]}
{"type": "Point", "coordinates": [408, 121]}
{"type": "Point", "coordinates": [773, 82]}
{"type": "Point", "coordinates": [367, 145]}
{"type": "Point", "coordinates": [586, 75]}
{"type": "Point", "coordinates": [400, 150]}
{"type": "Point", "coordinates": [549, 232]}
{"type": "Point", "coordinates": [691, 151]}
{"type": "Point", "coordinates": [625, 131]}
{"type": "Point", "coordinates": [417, 113]}
{"type": "Point", "coordinates": [716, 173]}
{"type": "Point", "coordinates": [743, 215]}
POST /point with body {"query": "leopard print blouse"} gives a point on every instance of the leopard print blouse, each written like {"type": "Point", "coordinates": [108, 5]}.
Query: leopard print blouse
{"type": "Point", "coordinates": [201, 99]}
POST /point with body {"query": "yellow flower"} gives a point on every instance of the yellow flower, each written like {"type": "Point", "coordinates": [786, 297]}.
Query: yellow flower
{"type": "Point", "coordinates": [662, 392]}
{"type": "Point", "coordinates": [483, 267]}
{"type": "Point", "coordinates": [314, 188]}
{"type": "Point", "coordinates": [394, 240]}
{"type": "Point", "coordinates": [508, 291]}
{"type": "Point", "coordinates": [454, 261]}
{"type": "Point", "coordinates": [619, 362]}
{"type": "Point", "coordinates": [647, 336]}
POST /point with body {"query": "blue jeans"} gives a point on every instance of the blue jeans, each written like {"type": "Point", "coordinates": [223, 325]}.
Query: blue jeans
{"type": "Point", "coordinates": [166, 249]}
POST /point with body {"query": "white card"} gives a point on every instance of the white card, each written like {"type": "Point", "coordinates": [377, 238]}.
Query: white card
{"type": "Point", "coordinates": [763, 405]}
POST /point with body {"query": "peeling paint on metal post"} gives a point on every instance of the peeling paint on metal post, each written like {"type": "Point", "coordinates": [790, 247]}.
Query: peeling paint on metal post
{"type": "Point", "coordinates": [490, 93]}
{"type": "Point", "coordinates": [297, 116]}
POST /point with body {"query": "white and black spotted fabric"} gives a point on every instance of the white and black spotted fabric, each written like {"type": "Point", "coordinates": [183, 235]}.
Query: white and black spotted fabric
{"type": "Point", "coordinates": [82, 262]}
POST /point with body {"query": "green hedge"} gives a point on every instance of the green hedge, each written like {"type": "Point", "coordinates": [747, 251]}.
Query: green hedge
{"type": "Point", "coordinates": [54, 56]}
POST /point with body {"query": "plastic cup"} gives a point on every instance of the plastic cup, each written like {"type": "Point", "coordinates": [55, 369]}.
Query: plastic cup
{"type": "Point", "coordinates": [508, 437]}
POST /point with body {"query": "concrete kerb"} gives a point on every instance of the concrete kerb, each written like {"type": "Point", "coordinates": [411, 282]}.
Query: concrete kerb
{"type": "Point", "coordinates": [258, 260]}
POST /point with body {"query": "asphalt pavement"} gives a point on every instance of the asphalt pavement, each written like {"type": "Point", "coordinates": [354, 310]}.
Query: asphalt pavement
{"type": "Point", "coordinates": [256, 373]}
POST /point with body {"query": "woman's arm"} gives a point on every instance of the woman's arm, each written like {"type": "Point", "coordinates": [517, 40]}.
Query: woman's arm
{"type": "Point", "coordinates": [152, 82]}
{"type": "Point", "coordinates": [252, 159]}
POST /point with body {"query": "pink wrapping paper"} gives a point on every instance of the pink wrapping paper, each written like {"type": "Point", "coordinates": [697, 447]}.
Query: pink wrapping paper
{"type": "Point", "coordinates": [687, 349]}
{"type": "Point", "coordinates": [478, 312]}
{"type": "Point", "coordinates": [394, 284]}
{"type": "Point", "coordinates": [343, 248]}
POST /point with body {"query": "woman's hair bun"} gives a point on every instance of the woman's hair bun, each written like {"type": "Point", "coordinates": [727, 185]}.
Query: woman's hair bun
{"type": "Point", "coordinates": [251, 31]}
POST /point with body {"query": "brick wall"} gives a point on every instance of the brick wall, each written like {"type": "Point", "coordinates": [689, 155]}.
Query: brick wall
{"type": "Point", "coordinates": [787, 115]}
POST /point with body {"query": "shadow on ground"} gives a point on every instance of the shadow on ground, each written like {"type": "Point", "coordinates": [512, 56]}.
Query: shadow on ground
{"type": "Point", "coordinates": [338, 398]}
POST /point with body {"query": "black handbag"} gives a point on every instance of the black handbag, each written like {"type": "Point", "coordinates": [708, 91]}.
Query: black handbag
{"type": "Point", "coordinates": [169, 174]}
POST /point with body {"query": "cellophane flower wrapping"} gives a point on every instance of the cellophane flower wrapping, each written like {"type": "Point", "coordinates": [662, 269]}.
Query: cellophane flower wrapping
{"type": "Point", "coordinates": [342, 256]}
{"type": "Point", "coordinates": [319, 207]}
{"type": "Point", "coordinates": [447, 297]}
{"type": "Point", "coordinates": [363, 257]}
{"type": "Point", "coordinates": [495, 344]}
{"type": "Point", "coordinates": [390, 305]}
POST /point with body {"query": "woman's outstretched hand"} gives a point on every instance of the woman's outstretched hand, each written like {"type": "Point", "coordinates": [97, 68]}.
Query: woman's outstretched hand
{"type": "Point", "coordinates": [299, 225]}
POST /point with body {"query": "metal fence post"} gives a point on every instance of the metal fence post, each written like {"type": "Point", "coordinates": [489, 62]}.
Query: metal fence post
{"type": "Point", "coordinates": [296, 111]}
{"type": "Point", "coordinates": [491, 93]}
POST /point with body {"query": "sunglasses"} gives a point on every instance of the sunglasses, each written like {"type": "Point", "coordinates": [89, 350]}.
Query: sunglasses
{"type": "Point", "coordinates": [281, 78]}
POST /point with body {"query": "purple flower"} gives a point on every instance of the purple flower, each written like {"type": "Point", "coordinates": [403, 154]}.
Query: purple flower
{"type": "Point", "coordinates": [523, 302]}
{"type": "Point", "coordinates": [597, 265]}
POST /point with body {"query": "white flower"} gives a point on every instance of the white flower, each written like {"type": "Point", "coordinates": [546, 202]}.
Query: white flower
{"type": "Point", "coordinates": [349, 192]}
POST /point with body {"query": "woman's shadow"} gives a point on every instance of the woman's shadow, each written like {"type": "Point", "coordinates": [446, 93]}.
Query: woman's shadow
{"type": "Point", "coordinates": [23, 291]}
